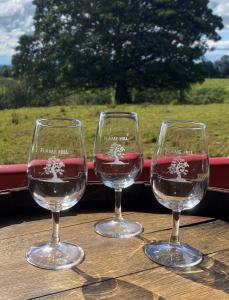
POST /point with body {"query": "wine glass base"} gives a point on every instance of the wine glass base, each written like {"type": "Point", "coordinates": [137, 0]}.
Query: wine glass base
{"type": "Point", "coordinates": [173, 255]}
{"type": "Point", "coordinates": [55, 256]}
{"type": "Point", "coordinates": [118, 228]}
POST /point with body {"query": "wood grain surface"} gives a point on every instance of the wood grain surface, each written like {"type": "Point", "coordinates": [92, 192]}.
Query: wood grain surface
{"type": "Point", "coordinates": [116, 268]}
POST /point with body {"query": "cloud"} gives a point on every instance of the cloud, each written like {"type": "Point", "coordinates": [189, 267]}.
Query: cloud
{"type": "Point", "coordinates": [217, 53]}
{"type": "Point", "coordinates": [220, 8]}
{"type": "Point", "coordinates": [220, 48]}
{"type": "Point", "coordinates": [11, 7]}
{"type": "Point", "coordinates": [221, 45]}
{"type": "Point", "coordinates": [16, 18]}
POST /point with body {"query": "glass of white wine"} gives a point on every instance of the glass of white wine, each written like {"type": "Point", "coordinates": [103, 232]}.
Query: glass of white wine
{"type": "Point", "coordinates": [118, 161]}
{"type": "Point", "coordinates": [179, 179]}
{"type": "Point", "coordinates": [57, 174]}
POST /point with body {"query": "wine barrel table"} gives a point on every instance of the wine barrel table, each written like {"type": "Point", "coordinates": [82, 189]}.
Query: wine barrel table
{"type": "Point", "coordinates": [114, 268]}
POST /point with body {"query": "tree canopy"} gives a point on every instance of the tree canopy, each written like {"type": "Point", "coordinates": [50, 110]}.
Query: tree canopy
{"type": "Point", "coordinates": [124, 44]}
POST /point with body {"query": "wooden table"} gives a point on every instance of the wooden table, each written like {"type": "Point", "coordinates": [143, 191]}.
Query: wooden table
{"type": "Point", "coordinates": [115, 268]}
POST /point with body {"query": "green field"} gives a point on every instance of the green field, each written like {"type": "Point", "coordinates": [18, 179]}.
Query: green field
{"type": "Point", "coordinates": [16, 126]}
{"type": "Point", "coordinates": [215, 82]}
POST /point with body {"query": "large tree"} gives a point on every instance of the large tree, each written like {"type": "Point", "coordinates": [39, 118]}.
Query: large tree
{"type": "Point", "coordinates": [116, 43]}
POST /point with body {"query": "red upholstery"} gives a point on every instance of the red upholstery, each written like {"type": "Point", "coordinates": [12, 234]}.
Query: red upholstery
{"type": "Point", "coordinates": [15, 176]}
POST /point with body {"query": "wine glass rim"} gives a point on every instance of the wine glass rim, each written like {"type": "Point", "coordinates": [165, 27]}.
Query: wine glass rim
{"type": "Point", "coordinates": [73, 123]}
{"type": "Point", "coordinates": [117, 113]}
{"type": "Point", "coordinates": [184, 124]}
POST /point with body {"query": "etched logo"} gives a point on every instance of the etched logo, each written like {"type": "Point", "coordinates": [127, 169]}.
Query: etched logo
{"type": "Point", "coordinates": [116, 150]}
{"type": "Point", "coordinates": [54, 151]}
{"type": "Point", "coordinates": [179, 167]}
{"type": "Point", "coordinates": [116, 138]}
{"type": "Point", "coordinates": [55, 167]}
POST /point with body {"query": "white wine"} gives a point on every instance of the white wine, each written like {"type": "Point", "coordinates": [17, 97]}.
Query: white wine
{"type": "Point", "coordinates": [57, 195]}
{"type": "Point", "coordinates": [178, 194]}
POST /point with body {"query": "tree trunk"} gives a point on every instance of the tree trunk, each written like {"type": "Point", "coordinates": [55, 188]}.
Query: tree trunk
{"type": "Point", "coordinates": [182, 99]}
{"type": "Point", "coordinates": [121, 92]}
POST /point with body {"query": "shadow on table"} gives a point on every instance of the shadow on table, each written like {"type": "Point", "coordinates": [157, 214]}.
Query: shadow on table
{"type": "Point", "coordinates": [18, 206]}
{"type": "Point", "coordinates": [111, 288]}
{"type": "Point", "coordinates": [211, 272]}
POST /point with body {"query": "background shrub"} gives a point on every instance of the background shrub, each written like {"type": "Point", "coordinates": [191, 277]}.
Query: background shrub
{"type": "Point", "coordinates": [206, 95]}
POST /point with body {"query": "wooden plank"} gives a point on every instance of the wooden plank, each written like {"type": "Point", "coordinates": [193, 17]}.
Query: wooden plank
{"type": "Point", "coordinates": [169, 285]}
{"type": "Point", "coordinates": [151, 222]}
{"type": "Point", "coordinates": [45, 224]}
{"type": "Point", "coordinates": [105, 258]}
{"type": "Point", "coordinates": [154, 222]}
{"type": "Point", "coordinates": [207, 237]}
{"type": "Point", "coordinates": [155, 284]}
{"type": "Point", "coordinates": [209, 280]}
{"type": "Point", "coordinates": [114, 289]}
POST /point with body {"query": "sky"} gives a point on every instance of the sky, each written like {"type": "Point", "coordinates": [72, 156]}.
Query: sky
{"type": "Point", "coordinates": [16, 18]}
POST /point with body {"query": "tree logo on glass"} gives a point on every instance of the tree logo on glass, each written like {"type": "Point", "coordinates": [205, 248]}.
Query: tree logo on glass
{"type": "Point", "coordinates": [55, 167]}
{"type": "Point", "coordinates": [179, 167]}
{"type": "Point", "coordinates": [116, 150]}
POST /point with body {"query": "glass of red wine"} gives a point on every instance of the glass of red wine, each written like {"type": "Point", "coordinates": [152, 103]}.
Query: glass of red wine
{"type": "Point", "coordinates": [118, 161]}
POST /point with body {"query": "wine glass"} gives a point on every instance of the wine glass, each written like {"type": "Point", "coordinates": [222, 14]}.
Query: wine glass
{"type": "Point", "coordinates": [179, 179]}
{"type": "Point", "coordinates": [118, 161]}
{"type": "Point", "coordinates": [57, 176]}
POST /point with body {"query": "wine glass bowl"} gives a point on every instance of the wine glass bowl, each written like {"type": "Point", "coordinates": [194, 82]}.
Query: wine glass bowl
{"type": "Point", "coordinates": [179, 180]}
{"type": "Point", "coordinates": [118, 161]}
{"type": "Point", "coordinates": [118, 172]}
{"type": "Point", "coordinates": [57, 175]}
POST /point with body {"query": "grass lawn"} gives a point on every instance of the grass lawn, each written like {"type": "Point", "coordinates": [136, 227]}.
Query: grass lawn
{"type": "Point", "coordinates": [16, 125]}
{"type": "Point", "coordinates": [214, 82]}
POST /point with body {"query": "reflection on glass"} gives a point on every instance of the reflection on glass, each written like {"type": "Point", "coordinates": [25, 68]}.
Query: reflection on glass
{"type": "Point", "coordinates": [118, 161]}
{"type": "Point", "coordinates": [57, 179]}
{"type": "Point", "coordinates": [179, 179]}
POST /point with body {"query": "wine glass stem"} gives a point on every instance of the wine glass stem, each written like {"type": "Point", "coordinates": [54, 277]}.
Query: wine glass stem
{"type": "Point", "coordinates": [55, 228]}
{"type": "Point", "coordinates": [174, 239]}
{"type": "Point", "coordinates": [118, 210]}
